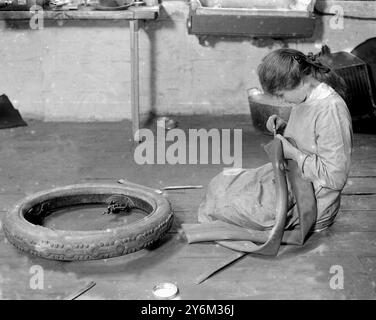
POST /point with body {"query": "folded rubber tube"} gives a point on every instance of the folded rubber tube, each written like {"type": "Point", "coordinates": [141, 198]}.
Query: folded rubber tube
{"type": "Point", "coordinates": [266, 242]}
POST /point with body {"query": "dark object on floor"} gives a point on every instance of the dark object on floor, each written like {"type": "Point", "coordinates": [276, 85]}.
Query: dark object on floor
{"type": "Point", "coordinates": [152, 115]}
{"type": "Point", "coordinates": [360, 97]}
{"type": "Point", "coordinates": [119, 203]}
{"type": "Point", "coordinates": [355, 72]}
{"type": "Point", "coordinates": [366, 51]}
{"type": "Point", "coordinates": [355, 69]}
{"type": "Point", "coordinates": [20, 229]}
{"type": "Point", "coordinates": [9, 116]}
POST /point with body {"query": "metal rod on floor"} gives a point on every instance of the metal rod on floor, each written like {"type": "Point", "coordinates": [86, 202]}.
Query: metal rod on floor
{"type": "Point", "coordinates": [134, 28]}
{"type": "Point", "coordinates": [80, 291]}
{"type": "Point", "coordinates": [207, 274]}
{"type": "Point", "coordinates": [181, 187]}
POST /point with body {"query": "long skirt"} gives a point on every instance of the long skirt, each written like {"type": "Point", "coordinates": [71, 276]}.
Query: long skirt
{"type": "Point", "coordinates": [246, 198]}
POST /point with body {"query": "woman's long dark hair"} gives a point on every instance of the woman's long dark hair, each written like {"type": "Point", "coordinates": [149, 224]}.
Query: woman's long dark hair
{"type": "Point", "coordinates": [284, 69]}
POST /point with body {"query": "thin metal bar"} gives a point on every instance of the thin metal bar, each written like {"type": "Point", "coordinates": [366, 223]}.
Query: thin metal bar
{"type": "Point", "coordinates": [207, 274]}
{"type": "Point", "coordinates": [181, 187]}
{"type": "Point", "coordinates": [81, 291]}
{"type": "Point", "coordinates": [134, 28]}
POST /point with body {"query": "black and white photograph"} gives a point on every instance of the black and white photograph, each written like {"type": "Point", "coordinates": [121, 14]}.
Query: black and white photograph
{"type": "Point", "coordinates": [187, 155]}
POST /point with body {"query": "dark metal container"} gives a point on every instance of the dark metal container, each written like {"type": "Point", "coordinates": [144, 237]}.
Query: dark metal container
{"type": "Point", "coordinates": [262, 106]}
{"type": "Point", "coordinates": [354, 71]}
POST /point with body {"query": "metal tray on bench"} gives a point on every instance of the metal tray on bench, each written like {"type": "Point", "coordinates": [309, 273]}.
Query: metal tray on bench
{"type": "Point", "coordinates": [274, 19]}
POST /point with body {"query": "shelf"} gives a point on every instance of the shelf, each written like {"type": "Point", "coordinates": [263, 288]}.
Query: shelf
{"type": "Point", "coordinates": [86, 13]}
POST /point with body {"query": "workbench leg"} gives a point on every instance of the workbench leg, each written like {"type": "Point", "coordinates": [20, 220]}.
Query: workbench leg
{"type": "Point", "coordinates": [135, 98]}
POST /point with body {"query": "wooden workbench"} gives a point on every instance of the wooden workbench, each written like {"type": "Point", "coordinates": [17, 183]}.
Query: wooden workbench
{"type": "Point", "coordinates": [133, 14]}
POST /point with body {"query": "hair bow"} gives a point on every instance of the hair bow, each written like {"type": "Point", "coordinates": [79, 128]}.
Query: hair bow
{"type": "Point", "coordinates": [311, 59]}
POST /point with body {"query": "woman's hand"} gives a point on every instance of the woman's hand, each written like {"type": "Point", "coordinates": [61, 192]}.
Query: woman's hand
{"type": "Point", "coordinates": [275, 123]}
{"type": "Point", "coordinates": [289, 151]}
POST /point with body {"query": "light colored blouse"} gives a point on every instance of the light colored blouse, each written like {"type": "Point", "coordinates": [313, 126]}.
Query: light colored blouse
{"type": "Point", "coordinates": [322, 130]}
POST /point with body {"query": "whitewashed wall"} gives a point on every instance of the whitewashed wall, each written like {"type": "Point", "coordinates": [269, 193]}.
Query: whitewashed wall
{"type": "Point", "coordinates": [80, 71]}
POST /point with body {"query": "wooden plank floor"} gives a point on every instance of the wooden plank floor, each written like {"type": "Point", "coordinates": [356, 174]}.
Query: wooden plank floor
{"type": "Point", "coordinates": [45, 155]}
